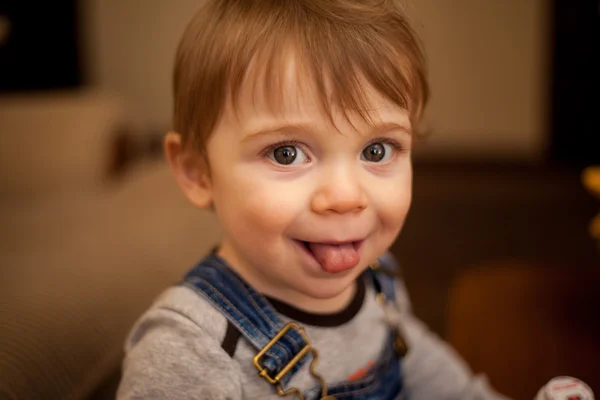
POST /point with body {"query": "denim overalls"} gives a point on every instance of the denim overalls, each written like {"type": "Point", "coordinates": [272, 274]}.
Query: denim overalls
{"type": "Point", "coordinates": [284, 348]}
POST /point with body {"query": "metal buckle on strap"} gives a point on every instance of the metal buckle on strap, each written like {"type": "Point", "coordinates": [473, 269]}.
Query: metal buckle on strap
{"type": "Point", "coordinates": [276, 380]}
{"type": "Point", "coordinates": [263, 371]}
{"type": "Point", "coordinates": [376, 266]}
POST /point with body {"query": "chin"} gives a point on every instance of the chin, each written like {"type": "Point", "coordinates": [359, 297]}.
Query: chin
{"type": "Point", "coordinates": [327, 288]}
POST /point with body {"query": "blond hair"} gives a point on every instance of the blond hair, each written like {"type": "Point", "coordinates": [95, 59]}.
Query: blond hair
{"type": "Point", "coordinates": [341, 44]}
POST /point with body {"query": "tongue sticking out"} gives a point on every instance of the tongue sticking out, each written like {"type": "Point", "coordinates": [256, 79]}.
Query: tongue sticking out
{"type": "Point", "coordinates": [335, 257]}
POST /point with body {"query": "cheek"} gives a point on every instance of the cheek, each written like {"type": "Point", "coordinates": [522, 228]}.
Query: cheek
{"type": "Point", "coordinates": [257, 207]}
{"type": "Point", "coordinates": [395, 204]}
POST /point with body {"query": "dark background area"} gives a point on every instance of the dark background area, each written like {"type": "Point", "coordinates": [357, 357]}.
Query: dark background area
{"type": "Point", "coordinates": [467, 216]}
{"type": "Point", "coordinates": [42, 51]}
{"type": "Point", "coordinates": [574, 129]}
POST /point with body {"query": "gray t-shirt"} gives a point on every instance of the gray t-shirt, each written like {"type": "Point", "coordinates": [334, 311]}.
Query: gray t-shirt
{"type": "Point", "coordinates": [184, 348]}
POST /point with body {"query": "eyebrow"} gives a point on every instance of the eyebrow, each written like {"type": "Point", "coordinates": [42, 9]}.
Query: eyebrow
{"type": "Point", "coordinates": [277, 128]}
{"type": "Point", "coordinates": [304, 128]}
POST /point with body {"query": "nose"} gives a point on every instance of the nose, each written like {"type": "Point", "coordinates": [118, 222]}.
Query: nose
{"type": "Point", "coordinates": [340, 192]}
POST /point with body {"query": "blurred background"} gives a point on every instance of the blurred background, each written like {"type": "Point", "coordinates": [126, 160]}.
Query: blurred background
{"type": "Point", "coordinates": [497, 251]}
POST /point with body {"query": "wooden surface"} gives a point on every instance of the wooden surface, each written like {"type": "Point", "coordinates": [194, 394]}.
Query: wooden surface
{"type": "Point", "coordinates": [523, 324]}
{"type": "Point", "coordinates": [466, 214]}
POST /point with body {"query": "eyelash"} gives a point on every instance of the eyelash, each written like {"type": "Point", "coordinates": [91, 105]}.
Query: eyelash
{"type": "Point", "coordinates": [295, 143]}
{"type": "Point", "coordinates": [397, 146]}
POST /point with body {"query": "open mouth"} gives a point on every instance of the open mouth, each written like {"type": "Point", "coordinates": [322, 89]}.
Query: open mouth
{"type": "Point", "coordinates": [333, 256]}
{"type": "Point", "coordinates": [307, 245]}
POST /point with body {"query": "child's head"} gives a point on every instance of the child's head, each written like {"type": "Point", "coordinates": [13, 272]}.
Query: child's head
{"type": "Point", "coordinates": [294, 120]}
{"type": "Point", "coordinates": [339, 44]}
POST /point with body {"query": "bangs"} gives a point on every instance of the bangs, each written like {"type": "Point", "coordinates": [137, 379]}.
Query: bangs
{"type": "Point", "coordinates": [340, 49]}
{"type": "Point", "coordinates": [285, 68]}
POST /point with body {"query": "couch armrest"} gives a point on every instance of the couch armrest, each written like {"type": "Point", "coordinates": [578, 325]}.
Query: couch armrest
{"type": "Point", "coordinates": [77, 272]}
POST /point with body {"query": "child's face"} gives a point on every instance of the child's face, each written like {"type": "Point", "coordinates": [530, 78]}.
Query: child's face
{"type": "Point", "coordinates": [306, 206]}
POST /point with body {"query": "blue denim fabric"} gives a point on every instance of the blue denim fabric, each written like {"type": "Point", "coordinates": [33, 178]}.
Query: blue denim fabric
{"type": "Point", "coordinates": [248, 311]}
{"type": "Point", "coordinates": [383, 382]}
{"type": "Point", "coordinates": [258, 322]}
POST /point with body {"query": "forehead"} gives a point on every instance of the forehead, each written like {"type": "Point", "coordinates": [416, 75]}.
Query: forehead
{"type": "Point", "coordinates": [287, 92]}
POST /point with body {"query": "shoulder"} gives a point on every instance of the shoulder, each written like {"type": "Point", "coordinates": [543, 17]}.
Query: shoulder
{"type": "Point", "coordinates": [180, 305]}
{"type": "Point", "coordinates": [174, 351]}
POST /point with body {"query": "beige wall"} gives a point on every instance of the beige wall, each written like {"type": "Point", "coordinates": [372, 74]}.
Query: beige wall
{"type": "Point", "coordinates": [131, 46]}
{"type": "Point", "coordinates": [488, 70]}
{"type": "Point", "coordinates": [487, 67]}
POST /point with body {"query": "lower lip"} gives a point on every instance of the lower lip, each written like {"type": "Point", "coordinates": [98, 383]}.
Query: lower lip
{"type": "Point", "coordinates": [315, 263]}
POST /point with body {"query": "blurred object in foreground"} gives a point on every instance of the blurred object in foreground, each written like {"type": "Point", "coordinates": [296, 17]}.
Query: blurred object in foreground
{"type": "Point", "coordinates": [565, 387]}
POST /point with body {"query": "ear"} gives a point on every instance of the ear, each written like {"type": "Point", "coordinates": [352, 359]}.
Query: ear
{"type": "Point", "coordinates": [190, 170]}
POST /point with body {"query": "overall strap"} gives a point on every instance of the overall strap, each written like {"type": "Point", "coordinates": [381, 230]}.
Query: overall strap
{"type": "Point", "coordinates": [282, 349]}
{"type": "Point", "coordinates": [384, 274]}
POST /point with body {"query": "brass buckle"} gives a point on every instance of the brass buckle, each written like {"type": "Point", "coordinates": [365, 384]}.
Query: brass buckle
{"type": "Point", "coordinates": [263, 371]}
{"type": "Point", "coordinates": [376, 266]}
{"type": "Point", "coordinates": [277, 379]}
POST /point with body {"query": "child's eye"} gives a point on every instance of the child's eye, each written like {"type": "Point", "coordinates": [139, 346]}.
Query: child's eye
{"type": "Point", "coordinates": [288, 155]}
{"type": "Point", "coordinates": [377, 152]}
